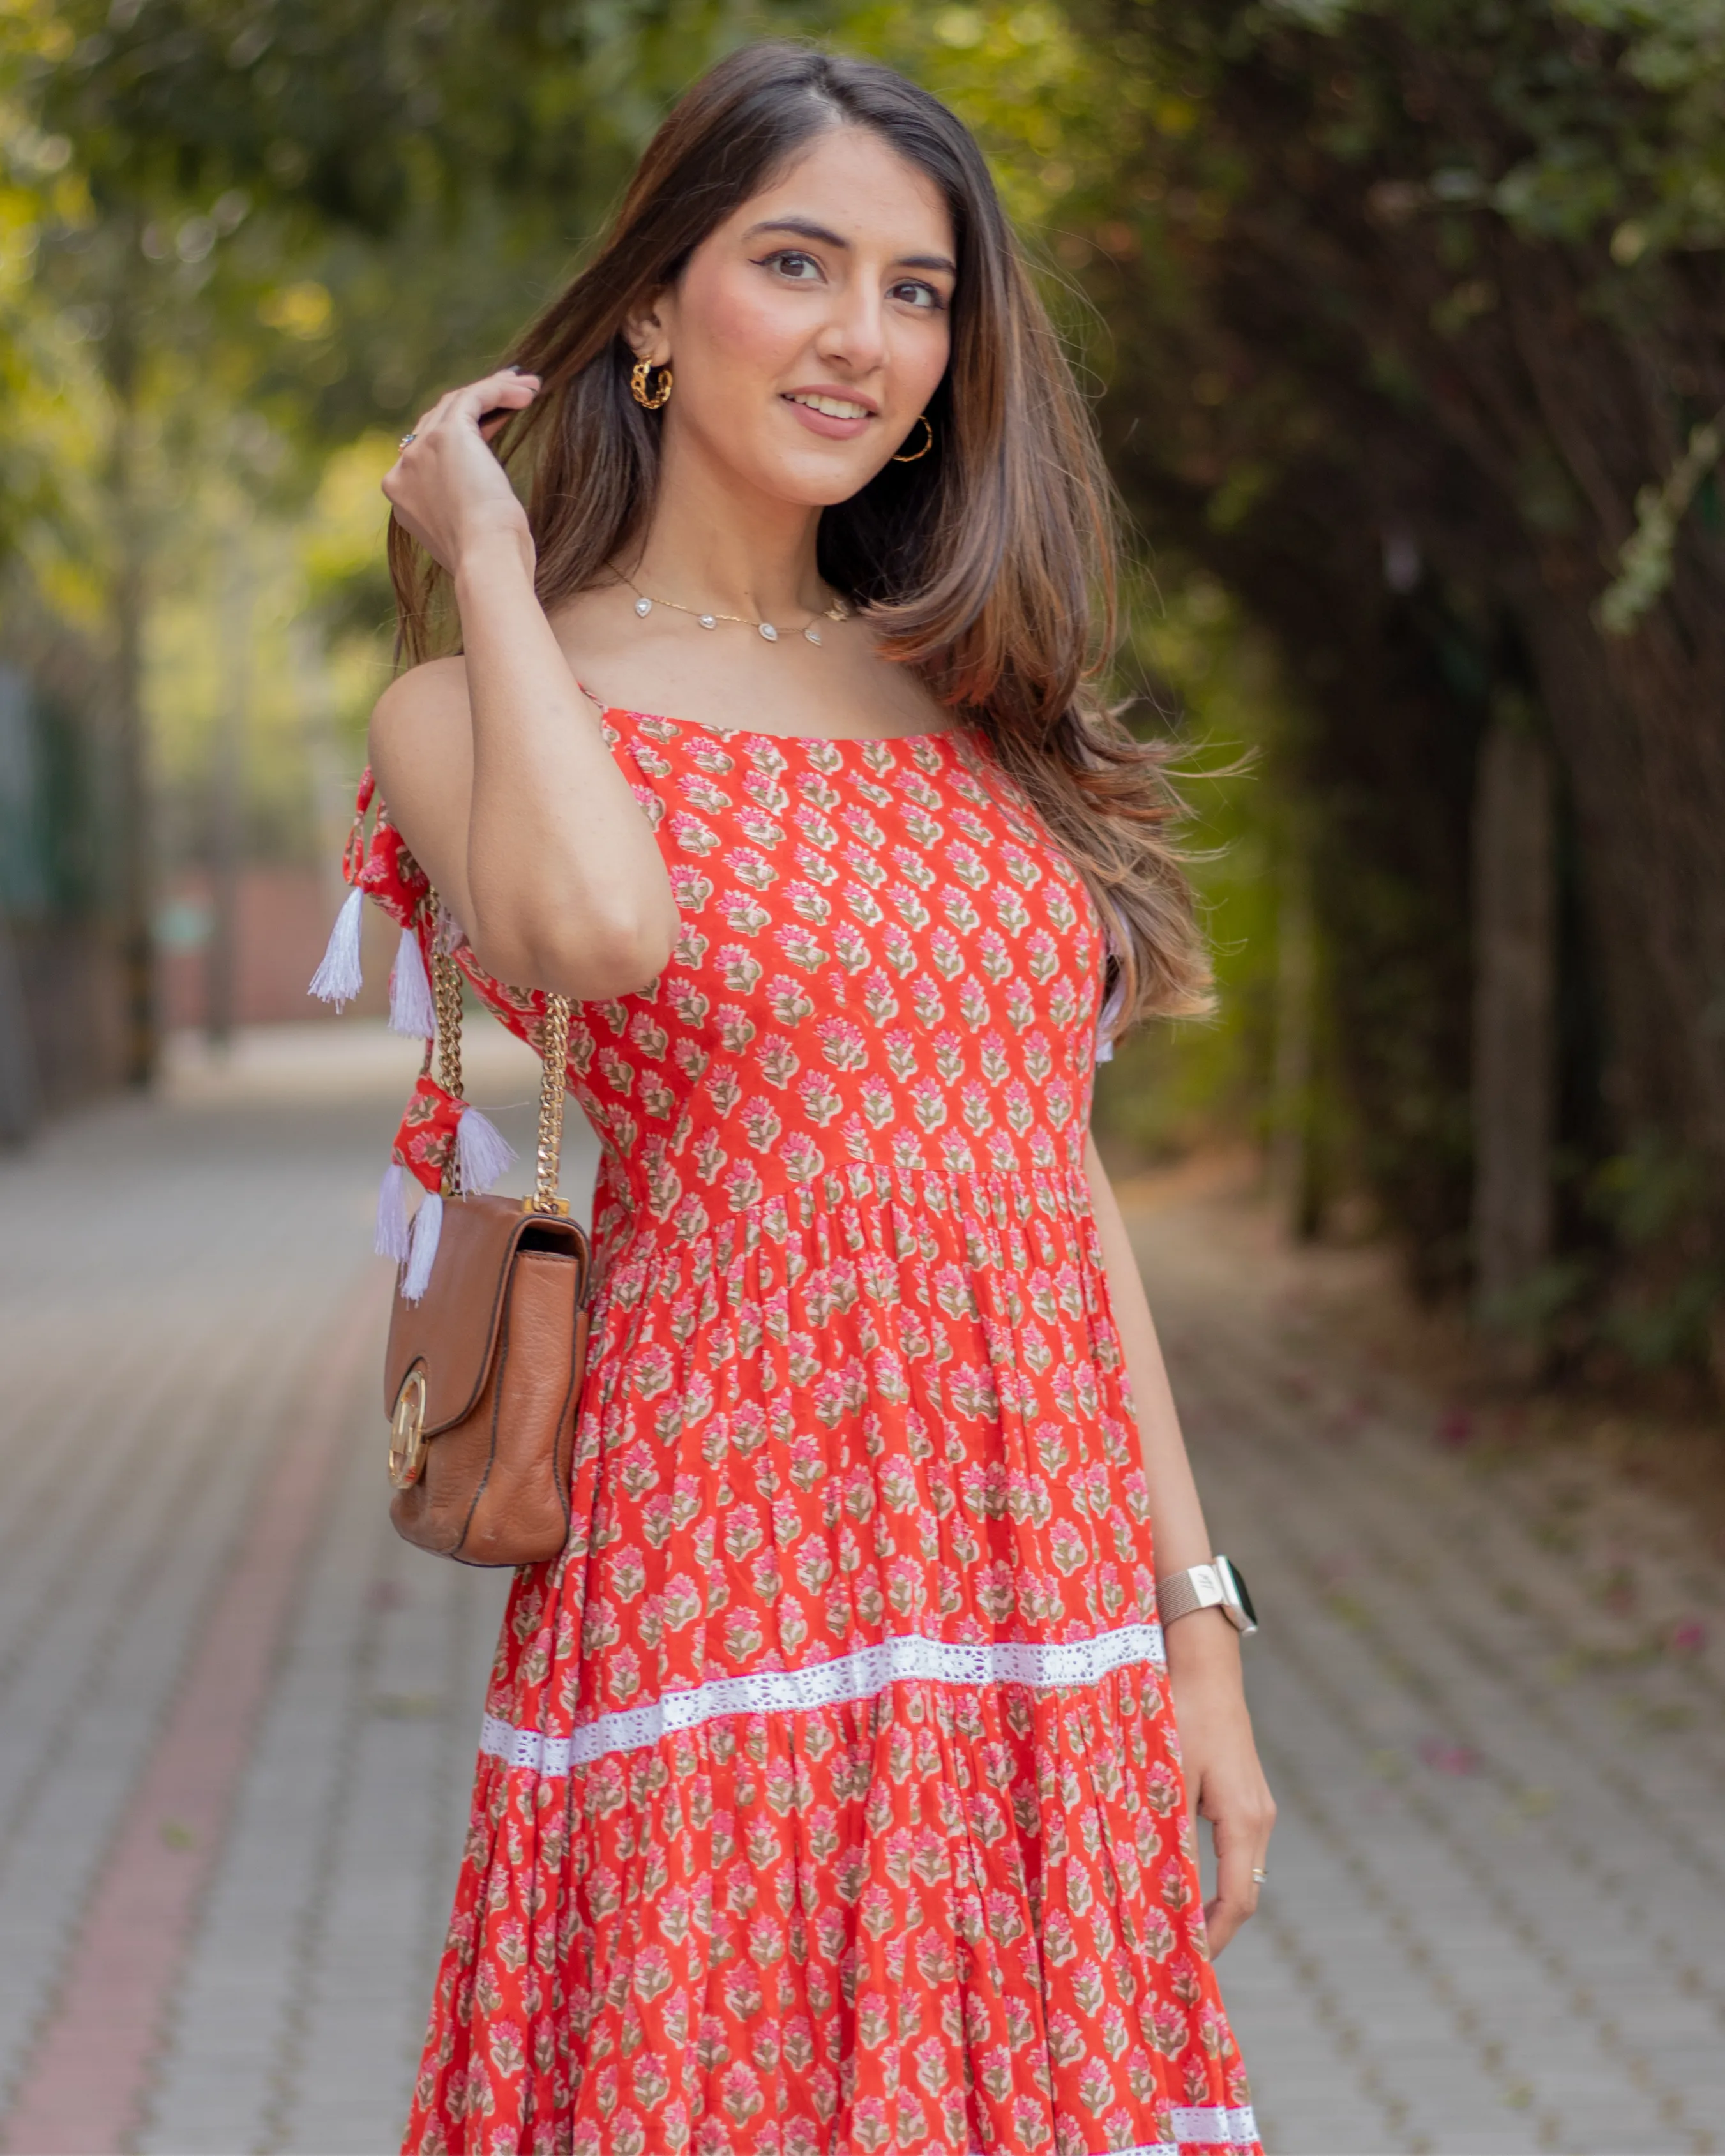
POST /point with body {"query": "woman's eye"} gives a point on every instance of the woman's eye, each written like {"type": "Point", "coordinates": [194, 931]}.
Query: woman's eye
{"type": "Point", "coordinates": [791, 262]}
{"type": "Point", "coordinates": [918, 294]}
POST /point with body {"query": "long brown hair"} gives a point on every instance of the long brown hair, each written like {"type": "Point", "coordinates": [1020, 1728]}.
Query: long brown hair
{"type": "Point", "coordinates": [987, 566]}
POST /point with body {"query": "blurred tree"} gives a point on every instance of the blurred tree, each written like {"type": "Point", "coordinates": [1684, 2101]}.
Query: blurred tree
{"type": "Point", "coordinates": [307, 214]}
{"type": "Point", "coordinates": [1413, 312]}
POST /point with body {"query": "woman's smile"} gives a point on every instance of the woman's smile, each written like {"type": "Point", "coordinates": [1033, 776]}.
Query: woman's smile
{"type": "Point", "coordinates": [831, 412]}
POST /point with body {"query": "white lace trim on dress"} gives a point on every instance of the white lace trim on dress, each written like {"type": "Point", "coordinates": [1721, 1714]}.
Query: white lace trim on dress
{"type": "Point", "coordinates": [1203, 2126]}
{"type": "Point", "coordinates": [1237, 2129]}
{"type": "Point", "coordinates": [861, 1675]}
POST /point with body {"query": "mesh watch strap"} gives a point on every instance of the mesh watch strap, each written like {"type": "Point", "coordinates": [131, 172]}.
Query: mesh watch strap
{"type": "Point", "coordinates": [1211, 1586]}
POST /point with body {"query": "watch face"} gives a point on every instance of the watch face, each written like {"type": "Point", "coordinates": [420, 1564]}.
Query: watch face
{"type": "Point", "coordinates": [1238, 1585]}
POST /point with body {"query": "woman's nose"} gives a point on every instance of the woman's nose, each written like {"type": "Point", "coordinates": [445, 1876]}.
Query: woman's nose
{"type": "Point", "coordinates": [856, 335]}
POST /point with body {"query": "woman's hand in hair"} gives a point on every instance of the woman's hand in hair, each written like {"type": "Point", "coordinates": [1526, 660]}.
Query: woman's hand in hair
{"type": "Point", "coordinates": [448, 489]}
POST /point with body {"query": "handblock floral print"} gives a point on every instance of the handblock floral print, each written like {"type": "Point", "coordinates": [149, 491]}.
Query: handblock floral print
{"type": "Point", "coordinates": [829, 1798]}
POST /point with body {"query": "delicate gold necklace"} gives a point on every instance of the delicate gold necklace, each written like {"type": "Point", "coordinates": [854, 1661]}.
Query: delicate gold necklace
{"type": "Point", "coordinates": [838, 611]}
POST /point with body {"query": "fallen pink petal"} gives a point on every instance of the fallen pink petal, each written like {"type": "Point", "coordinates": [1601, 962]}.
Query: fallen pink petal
{"type": "Point", "coordinates": [1446, 1758]}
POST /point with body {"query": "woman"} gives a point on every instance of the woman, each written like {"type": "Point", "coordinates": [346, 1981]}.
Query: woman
{"type": "Point", "coordinates": [831, 1797]}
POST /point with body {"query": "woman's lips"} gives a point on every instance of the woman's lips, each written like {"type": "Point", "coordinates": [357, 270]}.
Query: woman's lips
{"type": "Point", "coordinates": [828, 424]}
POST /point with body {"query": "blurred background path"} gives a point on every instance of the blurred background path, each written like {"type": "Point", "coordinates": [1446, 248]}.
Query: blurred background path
{"type": "Point", "coordinates": [189, 1355]}
{"type": "Point", "coordinates": [240, 1716]}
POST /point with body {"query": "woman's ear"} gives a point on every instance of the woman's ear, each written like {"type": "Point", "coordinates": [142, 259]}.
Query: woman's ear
{"type": "Point", "coordinates": [645, 332]}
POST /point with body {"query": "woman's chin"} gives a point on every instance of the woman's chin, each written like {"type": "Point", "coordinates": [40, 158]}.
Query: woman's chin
{"type": "Point", "coordinates": [799, 467]}
{"type": "Point", "coordinates": [818, 481]}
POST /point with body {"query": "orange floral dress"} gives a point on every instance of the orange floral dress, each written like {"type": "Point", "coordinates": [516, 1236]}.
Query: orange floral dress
{"type": "Point", "coordinates": [828, 1799]}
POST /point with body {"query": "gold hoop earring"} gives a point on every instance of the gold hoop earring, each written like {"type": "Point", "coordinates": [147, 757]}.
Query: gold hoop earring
{"type": "Point", "coordinates": [649, 401]}
{"type": "Point", "coordinates": [916, 455]}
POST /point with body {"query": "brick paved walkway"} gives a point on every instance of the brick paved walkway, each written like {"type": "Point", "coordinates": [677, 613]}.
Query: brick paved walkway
{"type": "Point", "coordinates": [177, 1281]}
{"type": "Point", "coordinates": [1488, 1699]}
{"type": "Point", "coordinates": [239, 1717]}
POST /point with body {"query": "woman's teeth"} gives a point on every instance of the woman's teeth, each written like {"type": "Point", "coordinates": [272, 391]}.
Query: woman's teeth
{"type": "Point", "coordinates": [835, 408]}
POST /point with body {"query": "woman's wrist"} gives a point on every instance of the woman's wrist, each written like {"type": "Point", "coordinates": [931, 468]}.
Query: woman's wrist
{"type": "Point", "coordinates": [1204, 1640]}
{"type": "Point", "coordinates": [495, 560]}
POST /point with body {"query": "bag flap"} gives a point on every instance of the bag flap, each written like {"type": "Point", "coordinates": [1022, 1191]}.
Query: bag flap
{"type": "Point", "coordinates": [452, 1330]}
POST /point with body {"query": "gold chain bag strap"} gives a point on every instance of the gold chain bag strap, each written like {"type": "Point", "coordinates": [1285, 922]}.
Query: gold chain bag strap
{"type": "Point", "coordinates": [482, 1375]}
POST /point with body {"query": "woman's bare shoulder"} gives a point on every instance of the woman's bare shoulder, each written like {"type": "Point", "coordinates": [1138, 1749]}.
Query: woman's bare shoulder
{"type": "Point", "coordinates": [436, 688]}
{"type": "Point", "coordinates": [421, 726]}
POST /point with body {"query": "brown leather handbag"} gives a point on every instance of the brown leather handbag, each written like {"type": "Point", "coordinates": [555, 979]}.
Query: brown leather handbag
{"type": "Point", "coordinates": [482, 1375]}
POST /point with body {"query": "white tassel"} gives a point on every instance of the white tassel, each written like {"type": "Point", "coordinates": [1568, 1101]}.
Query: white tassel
{"type": "Point", "coordinates": [392, 1237]}
{"type": "Point", "coordinates": [482, 1153]}
{"type": "Point", "coordinates": [410, 1007]}
{"type": "Point", "coordinates": [1110, 1009]}
{"type": "Point", "coordinates": [337, 980]}
{"type": "Point", "coordinates": [427, 1228]}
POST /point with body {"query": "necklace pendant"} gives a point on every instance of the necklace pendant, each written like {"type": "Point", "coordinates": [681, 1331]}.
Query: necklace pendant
{"type": "Point", "coordinates": [813, 633]}
{"type": "Point", "coordinates": [644, 606]}
{"type": "Point", "coordinates": [769, 631]}
{"type": "Point", "coordinates": [708, 620]}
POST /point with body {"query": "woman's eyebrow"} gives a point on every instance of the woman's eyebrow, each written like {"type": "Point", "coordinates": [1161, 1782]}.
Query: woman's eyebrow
{"type": "Point", "coordinates": [806, 228]}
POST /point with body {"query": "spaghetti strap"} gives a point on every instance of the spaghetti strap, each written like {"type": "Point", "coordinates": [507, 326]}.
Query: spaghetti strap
{"type": "Point", "coordinates": [601, 707]}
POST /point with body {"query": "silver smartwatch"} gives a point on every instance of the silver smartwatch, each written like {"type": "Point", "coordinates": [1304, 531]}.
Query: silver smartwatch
{"type": "Point", "coordinates": [1216, 1585]}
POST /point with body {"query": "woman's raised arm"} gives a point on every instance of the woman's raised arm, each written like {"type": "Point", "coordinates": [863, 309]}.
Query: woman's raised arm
{"type": "Point", "coordinates": [493, 765]}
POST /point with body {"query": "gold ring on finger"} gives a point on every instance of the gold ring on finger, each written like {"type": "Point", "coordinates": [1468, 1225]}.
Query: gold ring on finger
{"type": "Point", "coordinates": [406, 438]}
{"type": "Point", "coordinates": [1260, 1877]}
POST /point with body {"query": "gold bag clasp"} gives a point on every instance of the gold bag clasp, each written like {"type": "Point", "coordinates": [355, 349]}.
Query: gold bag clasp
{"type": "Point", "coordinates": [407, 1430]}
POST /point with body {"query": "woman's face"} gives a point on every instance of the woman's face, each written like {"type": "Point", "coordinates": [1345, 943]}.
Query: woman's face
{"type": "Point", "coordinates": [809, 329]}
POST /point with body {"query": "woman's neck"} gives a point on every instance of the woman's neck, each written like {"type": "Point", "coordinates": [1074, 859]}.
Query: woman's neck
{"type": "Point", "coordinates": [727, 549]}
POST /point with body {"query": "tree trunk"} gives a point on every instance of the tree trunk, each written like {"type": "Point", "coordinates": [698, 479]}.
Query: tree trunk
{"type": "Point", "coordinates": [136, 852]}
{"type": "Point", "coordinates": [1293, 1183]}
{"type": "Point", "coordinates": [227, 805]}
{"type": "Point", "coordinates": [1514, 982]}
{"type": "Point", "coordinates": [20, 1093]}
{"type": "Point", "coordinates": [327, 758]}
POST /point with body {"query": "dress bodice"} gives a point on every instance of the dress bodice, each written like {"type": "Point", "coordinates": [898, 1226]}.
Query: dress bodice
{"type": "Point", "coordinates": [885, 970]}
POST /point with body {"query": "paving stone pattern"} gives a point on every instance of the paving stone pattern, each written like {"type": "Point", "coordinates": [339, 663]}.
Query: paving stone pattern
{"type": "Point", "coordinates": [1494, 1922]}
{"type": "Point", "coordinates": [1496, 1917]}
{"type": "Point", "coordinates": [166, 1270]}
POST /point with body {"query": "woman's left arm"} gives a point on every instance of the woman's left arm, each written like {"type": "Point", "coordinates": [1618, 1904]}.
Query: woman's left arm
{"type": "Point", "coordinates": [1225, 1784]}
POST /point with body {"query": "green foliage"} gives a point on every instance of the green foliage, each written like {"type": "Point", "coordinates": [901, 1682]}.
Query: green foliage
{"type": "Point", "coordinates": [1415, 349]}
{"type": "Point", "coordinates": [1645, 559]}
{"type": "Point", "coordinates": [1051, 108]}
{"type": "Point", "coordinates": [1213, 684]}
{"type": "Point", "coordinates": [1653, 1200]}
{"type": "Point", "coordinates": [1581, 118]}
{"type": "Point", "coordinates": [249, 247]}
